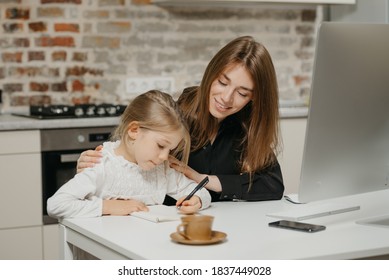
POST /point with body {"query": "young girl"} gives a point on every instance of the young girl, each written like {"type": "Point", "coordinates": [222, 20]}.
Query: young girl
{"type": "Point", "coordinates": [134, 171]}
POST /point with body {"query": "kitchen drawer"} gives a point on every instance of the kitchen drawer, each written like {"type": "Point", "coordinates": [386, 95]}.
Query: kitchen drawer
{"type": "Point", "coordinates": [51, 242]}
{"type": "Point", "coordinates": [21, 190]}
{"type": "Point", "coordinates": [19, 142]}
{"type": "Point", "coordinates": [21, 244]}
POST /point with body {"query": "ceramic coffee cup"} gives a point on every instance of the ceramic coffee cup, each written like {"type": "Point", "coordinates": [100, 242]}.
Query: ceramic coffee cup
{"type": "Point", "coordinates": [196, 227]}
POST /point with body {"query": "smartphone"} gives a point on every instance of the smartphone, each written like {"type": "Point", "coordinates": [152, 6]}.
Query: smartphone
{"type": "Point", "coordinates": [297, 226]}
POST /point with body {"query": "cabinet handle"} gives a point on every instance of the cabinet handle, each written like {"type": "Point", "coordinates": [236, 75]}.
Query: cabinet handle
{"type": "Point", "coordinates": [70, 157]}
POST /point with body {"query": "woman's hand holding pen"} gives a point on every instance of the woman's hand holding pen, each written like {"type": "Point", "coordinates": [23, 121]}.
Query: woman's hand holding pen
{"type": "Point", "coordinates": [189, 206]}
{"type": "Point", "coordinates": [213, 184]}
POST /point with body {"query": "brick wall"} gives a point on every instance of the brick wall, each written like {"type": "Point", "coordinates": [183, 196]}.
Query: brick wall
{"type": "Point", "coordinates": [72, 51]}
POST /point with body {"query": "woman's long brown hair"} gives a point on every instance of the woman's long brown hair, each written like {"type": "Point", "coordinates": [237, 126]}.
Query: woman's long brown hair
{"type": "Point", "coordinates": [259, 118]}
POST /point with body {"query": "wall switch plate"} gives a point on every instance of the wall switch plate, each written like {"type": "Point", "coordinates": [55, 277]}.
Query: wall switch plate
{"type": "Point", "coordinates": [139, 85]}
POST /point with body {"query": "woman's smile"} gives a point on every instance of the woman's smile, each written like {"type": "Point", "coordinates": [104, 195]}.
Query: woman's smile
{"type": "Point", "coordinates": [221, 106]}
{"type": "Point", "coordinates": [230, 92]}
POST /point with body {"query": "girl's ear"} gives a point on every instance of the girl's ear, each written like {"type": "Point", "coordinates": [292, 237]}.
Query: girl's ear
{"type": "Point", "coordinates": [133, 130]}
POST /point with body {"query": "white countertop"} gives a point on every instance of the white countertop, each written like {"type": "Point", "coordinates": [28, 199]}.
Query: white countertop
{"type": "Point", "coordinates": [11, 122]}
{"type": "Point", "coordinates": [248, 233]}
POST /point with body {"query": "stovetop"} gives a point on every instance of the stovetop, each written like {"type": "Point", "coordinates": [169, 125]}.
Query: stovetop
{"type": "Point", "coordinates": [73, 111]}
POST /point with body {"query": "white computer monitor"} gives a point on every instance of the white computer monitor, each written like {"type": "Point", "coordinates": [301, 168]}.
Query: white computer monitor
{"type": "Point", "coordinates": [347, 139]}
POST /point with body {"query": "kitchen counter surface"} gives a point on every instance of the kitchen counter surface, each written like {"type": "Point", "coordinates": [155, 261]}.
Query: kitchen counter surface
{"type": "Point", "coordinates": [11, 122]}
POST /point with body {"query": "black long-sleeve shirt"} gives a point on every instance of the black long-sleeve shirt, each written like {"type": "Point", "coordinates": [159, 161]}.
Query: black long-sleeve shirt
{"type": "Point", "coordinates": [221, 159]}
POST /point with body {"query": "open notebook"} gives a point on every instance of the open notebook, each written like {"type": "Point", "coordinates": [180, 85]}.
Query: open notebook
{"type": "Point", "coordinates": [159, 213]}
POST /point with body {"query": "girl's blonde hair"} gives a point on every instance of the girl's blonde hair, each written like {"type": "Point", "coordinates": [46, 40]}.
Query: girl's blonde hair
{"type": "Point", "coordinates": [156, 111]}
{"type": "Point", "coordinates": [259, 118]}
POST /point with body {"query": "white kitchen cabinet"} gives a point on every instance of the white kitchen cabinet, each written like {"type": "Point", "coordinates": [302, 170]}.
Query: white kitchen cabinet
{"type": "Point", "coordinates": [20, 173]}
{"type": "Point", "coordinates": [21, 243]}
{"type": "Point", "coordinates": [19, 142]}
{"type": "Point", "coordinates": [51, 242]}
{"type": "Point", "coordinates": [20, 199]}
{"type": "Point", "coordinates": [20, 195]}
{"type": "Point", "coordinates": [293, 138]}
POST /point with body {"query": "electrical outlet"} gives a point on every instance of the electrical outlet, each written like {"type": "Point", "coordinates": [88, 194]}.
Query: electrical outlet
{"type": "Point", "coordinates": [139, 85]}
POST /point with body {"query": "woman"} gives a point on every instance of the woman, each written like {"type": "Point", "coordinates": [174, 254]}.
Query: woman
{"type": "Point", "coordinates": [233, 119]}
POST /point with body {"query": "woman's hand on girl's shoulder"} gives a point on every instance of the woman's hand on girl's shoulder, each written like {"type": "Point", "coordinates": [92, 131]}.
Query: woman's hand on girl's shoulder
{"type": "Point", "coordinates": [184, 169]}
{"type": "Point", "coordinates": [89, 158]}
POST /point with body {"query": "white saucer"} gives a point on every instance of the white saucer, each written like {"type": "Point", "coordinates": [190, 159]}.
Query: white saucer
{"type": "Point", "coordinates": [216, 237]}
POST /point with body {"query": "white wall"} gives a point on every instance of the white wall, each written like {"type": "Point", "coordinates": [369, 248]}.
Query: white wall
{"type": "Point", "coordinates": [293, 134]}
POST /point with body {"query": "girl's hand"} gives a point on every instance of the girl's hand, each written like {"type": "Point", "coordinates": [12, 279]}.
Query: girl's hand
{"type": "Point", "coordinates": [213, 184]}
{"type": "Point", "coordinates": [189, 206]}
{"type": "Point", "coordinates": [89, 158]}
{"type": "Point", "coordinates": [122, 207]}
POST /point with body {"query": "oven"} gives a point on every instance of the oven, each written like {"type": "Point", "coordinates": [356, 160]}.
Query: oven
{"type": "Point", "coordinates": [60, 150]}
